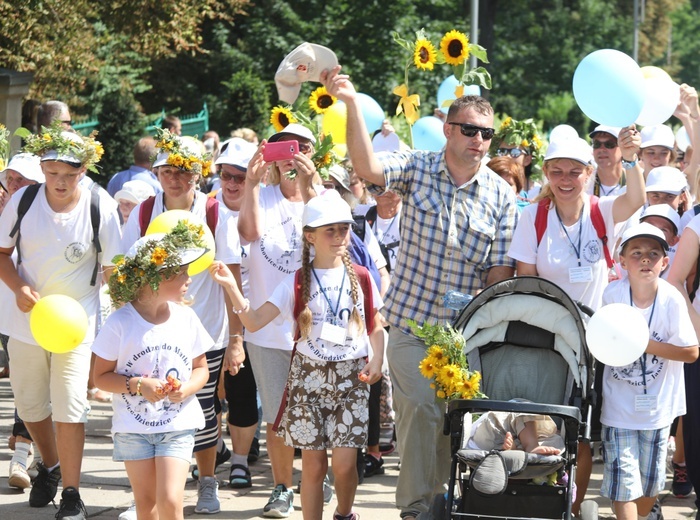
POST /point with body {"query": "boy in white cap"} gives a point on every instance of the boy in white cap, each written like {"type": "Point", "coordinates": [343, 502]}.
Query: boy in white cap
{"type": "Point", "coordinates": [657, 148]}
{"type": "Point", "coordinates": [131, 194]}
{"type": "Point", "coordinates": [58, 255]}
{"type": "Point", "coordinates": [648, 393]}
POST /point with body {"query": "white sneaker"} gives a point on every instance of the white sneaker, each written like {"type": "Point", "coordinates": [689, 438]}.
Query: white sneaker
{"type": "Point", "coordinates": [19, 478]}
{"type": "Point", "coordinates": [129, 514]}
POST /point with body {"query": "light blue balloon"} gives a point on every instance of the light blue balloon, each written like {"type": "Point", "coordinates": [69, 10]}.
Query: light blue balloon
{"type": "Point", "coordinates": [428, 134]}
{"type": "Point", "coordinates": [447, 91]}
{"type": "Point", "coordinates": [609, 88]}
{"type": "Point", "coordinates": [371, 111]}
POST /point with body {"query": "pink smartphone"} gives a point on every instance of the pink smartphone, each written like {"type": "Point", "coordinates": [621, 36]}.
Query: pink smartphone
{"type": "Point", "coordinates": [280, 151]}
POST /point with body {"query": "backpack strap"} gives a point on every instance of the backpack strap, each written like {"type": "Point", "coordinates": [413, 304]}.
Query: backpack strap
{"type": "Point", "coordinates": [145, 213]}
{"type": "Point", "coordinates": [599, 225]}
{"type": "Point", "coordinates": [696, 209]}
{"type": "Point", "coordinates": [212, 210]}
{"type": "Point", "coordinates": [24, 204]}
{"type": "Point", "coordinates": [696, 281]}
{"type": "Point", "coordinates": [363, 277]}
{"type": "Point", "coordinates": [541, 219]}
{"type": "Point", "coordinates": [371, 215]}
{"type": "Point", "coordinates": [95, 221]}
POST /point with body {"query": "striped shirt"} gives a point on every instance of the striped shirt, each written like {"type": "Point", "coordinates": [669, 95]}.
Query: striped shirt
{"type": "Point", "coordinates": [450, 235]}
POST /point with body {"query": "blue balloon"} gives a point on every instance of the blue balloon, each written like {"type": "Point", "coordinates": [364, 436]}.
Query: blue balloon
{"type": "Point", "coordinates": [609, 88]}
{"type": "Point", "coordinates": [428, 134]}
{"type": "Point", "coordinates": [446, 91]}
{"type": "Point", "coordinates": [371, 111]}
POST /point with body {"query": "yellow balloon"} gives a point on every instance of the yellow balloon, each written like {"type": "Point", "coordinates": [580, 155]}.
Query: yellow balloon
{"type": "Point", "coordinates": [650, 72]}
{"type": "Point", "coordinates": [164, 222]}
{"type": "Point", "coordinates": [334, 122]}
{"type": "Point", "coordinates": [58, 323]}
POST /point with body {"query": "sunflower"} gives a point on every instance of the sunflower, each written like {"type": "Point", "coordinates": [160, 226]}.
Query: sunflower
{"type": "Point", "coordinates": [454, 46]}
{"type": "Point", "coordinates": [424, 54]}
{"type": "Point", "coordinates": [281, 117]}
{"type": "Point", "coordinates": [159, 255]}
{"type": "Point", "coordinates": [427, 368]}
{"type": "Point", "coordinates": [320, 100]}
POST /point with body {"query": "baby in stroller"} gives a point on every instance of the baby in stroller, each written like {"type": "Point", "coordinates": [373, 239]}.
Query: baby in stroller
{"type": "Point", "coordinates": [516, 431]}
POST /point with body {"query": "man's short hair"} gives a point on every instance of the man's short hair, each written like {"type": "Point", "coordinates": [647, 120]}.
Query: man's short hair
{"type": "Point", "coordinates": [477, 103]}
{"type": "Point", "coordinates": [170, 122]}
{"type": "Point", "coordinates": [50, 111]}
{"type": "Point", "coordinates": [144, 150]}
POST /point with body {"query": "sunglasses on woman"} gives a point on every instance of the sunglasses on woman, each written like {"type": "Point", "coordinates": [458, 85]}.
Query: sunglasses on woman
{"type": "Point", "coordinates": [471, 130]}
{"type": "Point", "coordinates": [513, 152]}
{"type": "Point", "coordinates": [607, 144]}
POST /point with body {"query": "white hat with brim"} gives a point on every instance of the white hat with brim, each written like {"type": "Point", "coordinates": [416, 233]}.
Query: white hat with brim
{"type": "Point", "coordinates": [658, 135]}
{"type": "Point", "coordinates": [612, 130]}
{"type": "Point", "coordinates": [188, 144]}
{"type": "Point", "coordinates": [66, 157]}
{"type": "Point", "coordinates": [236, 152]}
{"type": "Point", "coordinates": [666, 179]}
{"type": "Point", "coordinates": [305, 63]}
{"type": "Point", "coordinates": [643, 230]}
{"type": "Point", "coordinates": [27, 165]}
{"type": "Point", "coordinates": [187, 256]}
{"type": "Point", "coordinates": [575, 149]}
{"type": "Point", "coordinates": [663, 211]}
{"type": "Point", "coordinates": [325, 209]}
{"type": "Point", "coordinates": [341, 175]}
{"type": "Point", "coordinates": [135, 191]}
{"type": "Point", "coordinates": [293, 129]}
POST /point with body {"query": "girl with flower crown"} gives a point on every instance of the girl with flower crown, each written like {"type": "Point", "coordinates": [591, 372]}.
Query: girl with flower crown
{"type": "Point", "coordinates": [327, 386]}
{"type": "Point", "coordinates": [151, 353]}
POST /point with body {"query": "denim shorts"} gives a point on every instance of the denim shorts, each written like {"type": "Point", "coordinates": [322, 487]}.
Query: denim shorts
{"type": "Point", "coordinates": [144, 446]}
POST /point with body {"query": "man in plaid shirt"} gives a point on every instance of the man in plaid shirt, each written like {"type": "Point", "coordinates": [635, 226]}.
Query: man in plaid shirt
{"type": "Point", "coordinates": [457, 222]}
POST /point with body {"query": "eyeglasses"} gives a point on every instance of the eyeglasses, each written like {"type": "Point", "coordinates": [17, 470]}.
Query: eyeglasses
{"type": "Point", "coordinates": [471, 130]}
{"type": "Point", "coordinates": [176, 173]}
{"type": "Point", "coordinates": [304, 147]}
{"type": "Point", "coordinates": [67, 122]}
{"type": "Point", "coordinates": [238, 179]}
{"type": "Point", "coordinates": [607, 144]}
{"type": "Point", "coordinates": [513, 152]}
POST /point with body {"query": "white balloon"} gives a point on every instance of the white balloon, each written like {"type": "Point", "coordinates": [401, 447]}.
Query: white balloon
{"type": "Point", "coordinates": [661, 99]}
{"type": "Point", "coordinates": [682, 139]}
{"type": "Point", "coordinates": [561, 132]}
{"type": "Point", "coordinates": [617, 334]}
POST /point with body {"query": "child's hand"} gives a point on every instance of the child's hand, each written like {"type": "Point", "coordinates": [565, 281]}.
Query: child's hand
{"type": "Point", "coordinates": [152, 389]}
{"type": "Point", "coordinates": [221, 273]}
{"type": "Point", "coordinates": [372, 371]}
{"type": "Point", "coordinates": [179, 395]}
{"type": "Point", "coordinates": [26, 298]}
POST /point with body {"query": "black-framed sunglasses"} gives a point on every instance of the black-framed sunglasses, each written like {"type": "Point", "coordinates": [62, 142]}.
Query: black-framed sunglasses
{"type": "Point", "coordinates": [471, 130]}
{"type": "Point", "coordinates": [607, 144]}
{"type": "Point", "coordinates": [513, 152]}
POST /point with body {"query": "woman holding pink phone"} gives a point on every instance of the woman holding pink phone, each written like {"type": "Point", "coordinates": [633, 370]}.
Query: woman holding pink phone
{"type": "Point", "coordinates": [270, 219]}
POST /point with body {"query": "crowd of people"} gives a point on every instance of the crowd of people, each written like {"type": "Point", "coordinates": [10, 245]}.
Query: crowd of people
{"type": "Point", "coordinates": [301, 320]}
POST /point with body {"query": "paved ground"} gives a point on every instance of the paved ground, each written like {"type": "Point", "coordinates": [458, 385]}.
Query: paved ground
{"type": "Point", "coordinates": [105, 488]}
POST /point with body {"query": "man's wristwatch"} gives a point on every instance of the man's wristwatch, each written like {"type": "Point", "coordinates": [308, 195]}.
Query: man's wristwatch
{"type": "Point", "coordinates": [628, 165]}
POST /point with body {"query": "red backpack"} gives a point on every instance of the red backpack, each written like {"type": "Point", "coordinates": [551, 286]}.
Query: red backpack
{"type": "Point", "coordinates": [596, 219]}
{"type": "Point", "coordinates": [146, 211]}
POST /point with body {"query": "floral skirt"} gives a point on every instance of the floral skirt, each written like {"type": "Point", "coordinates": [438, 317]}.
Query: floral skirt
{"type": "Point", "coordinates": [326, 405]}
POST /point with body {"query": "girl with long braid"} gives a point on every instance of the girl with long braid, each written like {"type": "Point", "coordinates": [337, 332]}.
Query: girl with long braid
{"type": "Point", "coordinates": [335, 306]}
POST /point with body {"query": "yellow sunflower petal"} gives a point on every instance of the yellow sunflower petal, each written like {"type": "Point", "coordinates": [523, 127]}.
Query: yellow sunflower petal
{"type": "Point", "coordinates": [320, 100]}
{"type": "Point", "coordinates": [281, 117]}
{"type": "Point", "coordinates": [424, 55]}
{"type": "Point", "coordinates": [454, 46]}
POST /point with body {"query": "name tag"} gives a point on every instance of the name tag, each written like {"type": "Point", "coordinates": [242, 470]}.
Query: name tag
{"type": "Point", "coordinates": [581, 274]}
{"type": "Point", "coordinates": [645, 403]}
{"type": "Point", "coordinates": [333, 334]}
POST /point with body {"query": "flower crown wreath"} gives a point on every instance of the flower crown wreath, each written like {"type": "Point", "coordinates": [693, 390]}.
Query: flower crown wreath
{"type": "Point", "coordinates": [86, 150]}
{"type": "Point", "coordinates": [181, 156]}
{"type": "Point", "coordinates": [519, 133]}
{"type": "Point", "coordinates": [155, 261]}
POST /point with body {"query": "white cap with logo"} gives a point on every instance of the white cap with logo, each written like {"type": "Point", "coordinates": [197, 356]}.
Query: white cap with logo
{"type": "Point", "coordinates": [305, 63]}
{"type": "Point", "coordinates": [325, 209]}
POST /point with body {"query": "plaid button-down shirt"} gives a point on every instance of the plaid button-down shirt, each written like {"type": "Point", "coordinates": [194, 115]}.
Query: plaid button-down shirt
{"type": "Point", "coordinates": [450, 235]}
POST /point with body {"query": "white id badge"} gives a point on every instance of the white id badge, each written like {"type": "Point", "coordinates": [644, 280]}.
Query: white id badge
{"type": "Point", "coordinates": [581, 274]}
{"type": "Point", "coordinates": [333, 334]}
{"type": "Point", "coordinates": [645, 403]}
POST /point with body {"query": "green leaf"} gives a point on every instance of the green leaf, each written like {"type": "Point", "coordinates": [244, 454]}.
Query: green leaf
{"type": "Point", "coordinates": [478, 76]}
{"type": "Point", "coordinates": [405, 44]}
{"type": "Point", "coordinates": [420, 35]}
{"type": "Point", "coordinates": [458, 70]}
{"type": "Point", "coordinates": [479, 52]}
{"type": "Point", "coordinates": [22, 133]}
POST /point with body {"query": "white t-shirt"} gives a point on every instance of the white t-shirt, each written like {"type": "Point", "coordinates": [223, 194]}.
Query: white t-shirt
{"type": "Point", "coordinates": [58, 256]}
{"type": "Point", "coordinates": [694, 225]}
{"type": "Point", "coordinates": [245, 248]}
{"type": "Point", "coordinates": [605, 190]}
{"type": "Point", "coordinates": [556, 256]}
{"type": "Point", "coordinates": [207, 294]}
{"type": "Point", "coordinates": [333, 281]}
{"type": "Point", "coordinates": [670, 323]}
{"type": "Point", "coordinates": [141, 348]}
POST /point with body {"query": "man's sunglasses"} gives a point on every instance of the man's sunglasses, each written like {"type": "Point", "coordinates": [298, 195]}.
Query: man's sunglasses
{"type": "Point", "coordinates": [607, 144]}
{"type": "Point", "coordinates": [513, 152]}
{"type": "Point", "coordinates": [471, 130]}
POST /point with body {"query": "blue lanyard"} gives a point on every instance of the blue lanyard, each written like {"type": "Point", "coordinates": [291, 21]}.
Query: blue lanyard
{"type": "Point", "coordinates": [340, 293]}
{"type": "Point", "coordinates": [643, 357]}
{"type": "Point", "coordinates": [577, 250]}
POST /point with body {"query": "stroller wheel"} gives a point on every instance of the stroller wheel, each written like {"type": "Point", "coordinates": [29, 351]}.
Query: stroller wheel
{"type": "Point", "coordinates": [589, 510]}
{"type": "Point", "coordinates": [438, 508]}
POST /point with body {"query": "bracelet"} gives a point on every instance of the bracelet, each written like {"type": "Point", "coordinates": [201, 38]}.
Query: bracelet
{"type": "Point", "coordinates": [128, 386]}
{"type": "Point", "coordinates": [235, 335]}
{"type": "Point", "coordinates": [138, 386]}
{"type": "Point", "coordinates": [246, 306]}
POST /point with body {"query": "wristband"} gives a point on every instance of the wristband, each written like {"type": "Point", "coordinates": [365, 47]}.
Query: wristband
{"type": "Point", "coordinates": [628, 165]}
{"type": "Point", "coordinates": [138, 386]}
{"type": "Point", "coordinates": [246, 306]}
{"type": "Point", "coordinates": [128, 386]}
{"type": "Point", "coordinates": [235, 335]}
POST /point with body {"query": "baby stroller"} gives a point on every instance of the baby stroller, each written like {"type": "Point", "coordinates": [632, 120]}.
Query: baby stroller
{"type": "Point", "coordinates": [527, 338]}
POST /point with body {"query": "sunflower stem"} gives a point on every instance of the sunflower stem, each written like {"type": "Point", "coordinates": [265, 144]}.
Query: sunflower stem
{"type": "Point", "coordinates": [408, 91]}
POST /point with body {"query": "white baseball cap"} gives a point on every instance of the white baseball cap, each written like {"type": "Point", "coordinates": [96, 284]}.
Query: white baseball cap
{"type": "Point", "coordinates": [135, 191]}
{"type": "Point", "coordinates": [187, 256]}
{"type": "Point", "coordinates": [236, 152]}
{"type": "Point", "coordinates": [643, 230]}
{"type": "Point", "coordinates": [68, 156]}
{"type": "Point", "coordinates": [666, 179]}
{"type": "Point", "coordinates": [327, 208]}
{"type": "Point", "coordinates": [341, 175]}
{"type": "Point", "coordinates": [575, 149]}
{"type": "Point", "coordinates": [663, 211]}
{"type": "Point", "coordinates": [27, 165]}
{"type": "Point", "coordinates": [658, 135]}
{"type": "Point", "coordinates": [293, 129]}
{"type": "Point", "coordinates": [612, 130]}
{"type": "Point", "coordinates": [305, 63]}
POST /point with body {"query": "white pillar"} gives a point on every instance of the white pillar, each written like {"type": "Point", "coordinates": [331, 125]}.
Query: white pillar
{"type": "Point", "coordinates": [14, 86]}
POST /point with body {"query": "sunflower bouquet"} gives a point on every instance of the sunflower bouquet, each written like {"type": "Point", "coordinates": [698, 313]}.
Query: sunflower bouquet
{"type": "Point", "coordinates": [445, 363]}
